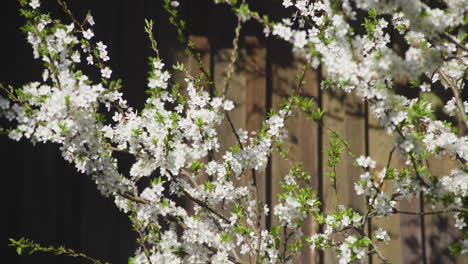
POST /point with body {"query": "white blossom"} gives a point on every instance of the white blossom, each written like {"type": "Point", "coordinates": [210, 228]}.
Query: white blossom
{"type": "Point", "coordinates": [382, 235]}
{"type": "Point", "coordinates": [90, 19]}
{"type": "Point", "coordinates": [88, 34]}
{"type": "Point", "coordinates": [34, 4]}
{"type": "Point", "coordinates": [106, 72]}
{"type": "Point", "coordinates": [365, 162]}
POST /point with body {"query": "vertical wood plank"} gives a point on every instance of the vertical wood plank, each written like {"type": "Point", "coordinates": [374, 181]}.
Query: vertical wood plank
{"type": "Point", "coordinates": [283, 83]}
{"type": "Point", "coordinates": [247, 90]}
{"type": "Point", "coordinates": [410, 230]}
{"type": "Point", "coordinates": [380, 145]}
{"type": "Point", "coordinates": [302, 138]}
{"type": "Point", "coordinates": [344, 114]}
{"type": "Point", "coordinates": [253, 65]}
{"type": "Point", "coordinates": [354, 133]}
{"type": "Point", "coordinates": [237, 93]}
{"type": "Point", "coordinates": [308, 153]}
{"type": "Point", "coordinates": [440, 231]}
{"type": "Point", "coordinates": [333, 118]}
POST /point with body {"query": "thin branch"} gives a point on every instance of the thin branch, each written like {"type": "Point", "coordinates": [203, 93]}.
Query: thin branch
{"type": "Point", "coordinates": [231, 124]}
{"type": "Point", "coordinates": [189, 176]}
{"type": "Point", "coordinates": [413, 161]}
{"type": "Point", "coordinates": [234, 55]}
{"type": "Point", "coordinates": [118, 150]}
{"type": "Point", "coordinates": [376, 249]}
{"type": "Point", "coordinates": [16, 99]}
{"type": "Point", "coordinates": [149, 31]}
{"type": "Point", "coordinates": [204, 205]}
{"type": "Point", "coordinates": [133, 198]}
{"type": "Point", "coordinates": [395, 211]}
{"type": "Point", "coordinates": [139, 230]}
{"type": "Point", "coordinates": [390, 157]}
{"type": "Point", "coordinates": [454, 88]}
{"type": "Point", "coordinates": [454, 41]}
{"type": "Point", "coordinates": [29, 247]}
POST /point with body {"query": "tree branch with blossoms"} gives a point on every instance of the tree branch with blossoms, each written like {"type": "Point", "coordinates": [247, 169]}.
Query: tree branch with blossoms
{"type": "Point", "coordinates": [174, 138]}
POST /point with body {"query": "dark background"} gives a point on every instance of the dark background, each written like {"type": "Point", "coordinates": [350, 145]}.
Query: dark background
{"type": "Point", "coordinates": [43, 197]}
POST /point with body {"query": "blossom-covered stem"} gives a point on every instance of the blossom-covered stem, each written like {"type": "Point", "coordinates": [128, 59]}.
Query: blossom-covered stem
{"type": "Point", "coordinates": [257, 227]}
{"type": "Point", "coordinates": [12, 95]}
{"type": "Point", "coordinates": [149, 31]}
{"type": "Point", "coordinates": [415, 167]}
{"type": "Point", "coordinates": [454, 41]}
{"type": "Point", "coordinates": [253, 15]}
{"type": "Point", "coordinates": [133, 198]}
{"type": "Point", "coordinates": [196, 55]}
{"type": "Point", "coordinates": [179, 24]}
{"type": "Point", "coordinates": [176, 135]}
{"type": "Point", "coordinates": [204, 205]}
{"type": "Point", "coordinates": [142, 239]}
{"type": "Point", "coordinates": [67, 11]}
{"type": "Point", "coordinates": [376, 249]}
{"type": "Point", "coordinates": [88, 44]}
{"type": "Point", "coordinates": [189, 177]}
{"type": "Point", "coordinates": [51, 62]}
{"type": "Point", "coordinates": [455, 90]}
{"type": "Point", "coordinates": [343, 142]}
{"type": "Point", "coordinates": [27, 246]}
{"type": "Point", "coordinates": [372, 199]}
{"type": "Point", "coordinates": [413, 161]}
{"type": "Point", "coordinates": [233, 128]}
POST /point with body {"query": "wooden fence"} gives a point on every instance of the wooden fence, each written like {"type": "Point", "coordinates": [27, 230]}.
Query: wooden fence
{"type": "Point", "coordinates": [47, 201]}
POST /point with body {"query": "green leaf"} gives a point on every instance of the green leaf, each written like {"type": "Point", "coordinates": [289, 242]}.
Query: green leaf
{"type": "Point", "coordinates": [373, 13]}
{"type": "Point", "coordinates": [196, 166]}
{"type": "Point", "coordinates": [136, 131]}
{"type": "Point", "coordinates": [226, 237]}
{"type": "Point", "coordinates": [208, 186]}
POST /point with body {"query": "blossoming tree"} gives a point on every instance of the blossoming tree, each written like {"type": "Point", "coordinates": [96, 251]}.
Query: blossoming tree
{"type": "Point", "coordinates": [176, 144]}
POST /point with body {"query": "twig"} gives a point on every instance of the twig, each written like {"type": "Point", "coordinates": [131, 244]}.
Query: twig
{"type": "Point", "coordinates": [395, 211]}
{"type": "Point", "coordinates": [118, 150]}
{"type": "Point", "coordinates": [376, 249]}
{"type": "Point", "coordinates": [149, 31]}
{"type": "Point", "coordinates": [234, 55]}
{"type": "Point", "coordinates": [24, 245]}
{"type": "Point", "coordinates": [413, 161]}
{"type": "Point", "coordinates": [10, 93]}
{"type": "Point", "coordinates": [454, 41]}
{"type": "Point", "coordinates": [204, 205]}
{"type": "Point", "coordinates": [454, 88]}
{"type": "Point", "coordinates": [139, 230]}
